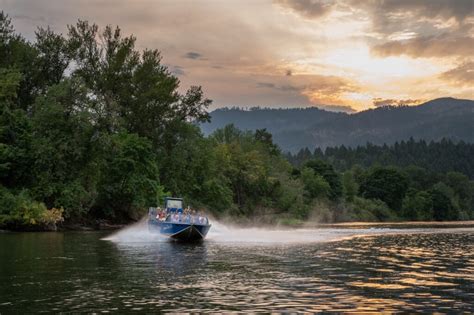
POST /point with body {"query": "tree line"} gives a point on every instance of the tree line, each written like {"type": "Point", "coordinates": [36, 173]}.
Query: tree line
{"type": "Point", "coordinates": [415, 180]}
{"type": "Point", "coordinates": [91, 128]}
{"type": "Point", "coordinates": [443, 156]}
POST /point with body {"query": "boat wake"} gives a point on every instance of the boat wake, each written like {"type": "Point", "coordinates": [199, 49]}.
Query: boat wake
{"type": "Point", "coordinates": [222, 233]}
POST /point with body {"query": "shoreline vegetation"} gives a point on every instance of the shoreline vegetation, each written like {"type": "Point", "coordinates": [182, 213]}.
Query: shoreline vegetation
{"type": "Point", "coordinates": [93, 132]}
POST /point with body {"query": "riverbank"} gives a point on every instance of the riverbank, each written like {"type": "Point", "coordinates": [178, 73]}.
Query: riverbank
{"type": "Point", "coordinates": [96, 225]}
{"type": "Point", "coordinates": [403, 224]}
{"type": "Point", "coordinates": [251, 222]}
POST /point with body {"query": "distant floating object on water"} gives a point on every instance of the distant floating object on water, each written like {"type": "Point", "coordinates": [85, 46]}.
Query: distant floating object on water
{"type": "Point", "coordinates": [178, 223]}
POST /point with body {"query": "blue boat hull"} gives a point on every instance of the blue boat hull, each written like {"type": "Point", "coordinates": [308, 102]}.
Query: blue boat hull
{"type": "Point", "coordinates": [179, 231]}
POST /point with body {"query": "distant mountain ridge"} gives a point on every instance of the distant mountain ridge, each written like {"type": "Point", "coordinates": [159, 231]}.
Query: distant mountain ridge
{"type": "Point", "coordinates": [294, 129]}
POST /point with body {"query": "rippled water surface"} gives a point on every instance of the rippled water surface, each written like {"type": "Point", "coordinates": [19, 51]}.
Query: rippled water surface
{"type": "Point", "coordinates": [350, 269]}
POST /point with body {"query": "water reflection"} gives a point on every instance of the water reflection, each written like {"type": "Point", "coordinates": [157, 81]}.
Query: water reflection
{"type": "Point", "coordinates": [79, 272]}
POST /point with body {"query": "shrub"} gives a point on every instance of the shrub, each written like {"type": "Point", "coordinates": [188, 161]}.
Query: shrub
{"type": "Point", "coordinates": [21, 211]}
{"type": "Point", "coordinates": [371, 210]}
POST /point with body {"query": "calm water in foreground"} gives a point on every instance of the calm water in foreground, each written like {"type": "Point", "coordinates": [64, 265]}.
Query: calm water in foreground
{"type": "Point", "coordinates": [339, 269]}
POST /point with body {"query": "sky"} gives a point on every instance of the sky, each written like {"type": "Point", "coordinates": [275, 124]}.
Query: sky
{"type": "Point", "coordinates": [344, 55]}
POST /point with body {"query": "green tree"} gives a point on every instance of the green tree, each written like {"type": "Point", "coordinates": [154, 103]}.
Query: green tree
{"type": "Point", "coordinates": [444, 207]}
{"type": "Point", "coordinates": [315, 184]}
{"type": "Point", "coordinates": [266, 138]}
{"type": "Point", "coordinates": [132, 90]}
{"type": "Point", "coordinates": [371, 210]}
{"type": "Point", "coordinates": [386, 184]}
{"type": "Point", "coordinates": [63, 150]}
{"type": "Point", "coordinates": [326, 170]}
{"type": "Point", "coordinates": [418, 205]}
{"type": "Point", "coordinates": [15, 148]}
{"type": "Point", "coordinates": [349, 185]}
{"type": "Point", "coordinates": [130, 181]}
{"type": "Point", "coordinates": [463, 189]}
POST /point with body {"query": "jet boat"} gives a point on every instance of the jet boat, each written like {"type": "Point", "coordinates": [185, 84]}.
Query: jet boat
{"type": "Point", "coordinates": [178, 223]}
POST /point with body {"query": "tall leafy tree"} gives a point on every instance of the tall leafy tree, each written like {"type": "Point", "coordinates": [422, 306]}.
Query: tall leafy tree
{"type": "Point", "coordinates": [386, 184]}
{"type": "Point", "coordinates": [327, 171]}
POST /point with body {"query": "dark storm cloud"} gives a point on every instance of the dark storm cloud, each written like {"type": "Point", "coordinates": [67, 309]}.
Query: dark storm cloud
{"type": "Point", "coordinates": [380, 102]}
{"type": "Point", "coordinates": [308, 8]}
{"type": "Point", "coordinates": [428, 46]}
{"type": "Point", "coordinates": [461, 75]}
{"type": "Point", "coordinates": [193, 55]}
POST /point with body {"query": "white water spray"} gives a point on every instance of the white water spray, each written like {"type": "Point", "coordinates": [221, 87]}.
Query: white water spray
{"type": "Point", "coordinates": [223, 233]}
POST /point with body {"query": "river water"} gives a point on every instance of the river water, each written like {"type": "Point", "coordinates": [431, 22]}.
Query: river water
{"type": "Point", "coordinates": [347, 269]}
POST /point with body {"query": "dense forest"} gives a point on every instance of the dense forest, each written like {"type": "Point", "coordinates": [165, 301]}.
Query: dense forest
{"type": "Point", "coordinates": [438, 157]}
{"type": "Point", "coordinates": [298, 128]}
{"type": "Point", "coordinates": [92, 129]}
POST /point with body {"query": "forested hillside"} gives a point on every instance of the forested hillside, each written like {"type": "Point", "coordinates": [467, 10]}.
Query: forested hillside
{"type": "Point", "coordinates": [439, 157]}
{"type": "Point", "coordinates": [92, 129]}
{"type": "Point", "coordinates": [294, 129]}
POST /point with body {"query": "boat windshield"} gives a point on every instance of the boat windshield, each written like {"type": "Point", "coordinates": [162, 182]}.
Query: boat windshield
{"type": "Point", "coordinates": [174, 204]}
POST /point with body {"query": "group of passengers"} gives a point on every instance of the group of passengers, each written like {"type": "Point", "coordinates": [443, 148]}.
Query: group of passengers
{"type": "Point", "coordinates": [187, 216]}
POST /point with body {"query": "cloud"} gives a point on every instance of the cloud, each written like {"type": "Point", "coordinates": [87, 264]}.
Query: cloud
{"type": "Point", "coordinates": [337, 108]}
{"type": "Point", "coordinates": [284, 88]}
{"type": "Point", "coordinates": [265, 85]}
{"type": "Point", "coordinates": [389, 16]}
{"type": "Point", "coordinates": [380, 102]}
{"type": "Point", "coordinates": [326, 45]}
{"type": "Point", "coordinates": [427, 46]}
{"type": "Point", "coordinates": [29, 18]}
{"type": "Point", "coordinates": [176, 70]}
{"type": "Point", "coordinates": [460, 10]}
{"type": "Point", "coordinates": [319, 89]}
{"type": "Point", "coordinates": [329, 90]}
{"type": "Point", "coordinates": [462, 75]}
{"type": "Point", "coordinates": [193, 55]}
{"type": "Point", "coordinates": [308, 8]}
{"type": "Point", "coordinates": [420, 28]}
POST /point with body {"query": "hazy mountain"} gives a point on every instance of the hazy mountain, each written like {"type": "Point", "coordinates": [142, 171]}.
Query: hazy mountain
{"type": "Point", "coordinates": [294, 129]}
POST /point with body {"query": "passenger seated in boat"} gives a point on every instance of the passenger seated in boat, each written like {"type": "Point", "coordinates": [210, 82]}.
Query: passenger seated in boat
{"type": "Point", "coordinates": [200, 217]}
{"type": "Point", "coordinates": [162, 216]}
{"type": "Point", "coordinates": [158, 212]}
